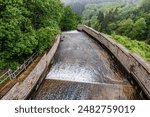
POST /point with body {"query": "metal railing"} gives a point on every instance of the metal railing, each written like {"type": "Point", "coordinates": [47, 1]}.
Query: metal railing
{"type": "Point", "coordinates": [13, 75]}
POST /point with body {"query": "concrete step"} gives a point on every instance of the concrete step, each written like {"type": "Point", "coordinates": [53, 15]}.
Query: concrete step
{"type": "Point", "coordinates": [70, 90]}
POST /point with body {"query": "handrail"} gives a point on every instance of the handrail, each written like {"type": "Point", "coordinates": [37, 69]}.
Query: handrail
{"type": "Point", "coordinates": [13, 75]}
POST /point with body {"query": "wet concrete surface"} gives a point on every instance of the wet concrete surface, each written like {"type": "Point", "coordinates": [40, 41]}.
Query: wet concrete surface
{"type": "Point", "coordinates": [79, 58]}
{"type": "Point", "coordinates": [68, 90]}
{"type": "Point", "coordinates": [82, 69]}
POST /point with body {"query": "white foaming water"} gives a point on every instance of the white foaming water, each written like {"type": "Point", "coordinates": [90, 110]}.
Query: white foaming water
{"type": "Point", "coordinates": [73, 31]}
{"type": "Point", "coordinates": [80, 59]}
{"type": "Point", "coordinates": [71, 73]}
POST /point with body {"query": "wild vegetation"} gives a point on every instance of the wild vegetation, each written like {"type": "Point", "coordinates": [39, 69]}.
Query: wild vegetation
{"type": "Point", "coordinates": [128, 23]}
{"type": "Point", "coordinates": [131, 20]}
{"type": "Point", "coordinates": [28, 26]}
{"type": "Point", "coordinates": [139, 47]}
{"type": "Point", "coordinates": [80, 5]}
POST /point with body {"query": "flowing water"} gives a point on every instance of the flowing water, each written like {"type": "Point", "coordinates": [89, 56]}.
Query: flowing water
{"type": "Point", "coordinates": [82, 69]}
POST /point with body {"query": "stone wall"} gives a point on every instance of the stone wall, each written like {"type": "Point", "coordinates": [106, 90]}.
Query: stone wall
{"type": "Point", "coordinates": [134, 64]}
{"type": "Point", "coordinates": [22, 90]}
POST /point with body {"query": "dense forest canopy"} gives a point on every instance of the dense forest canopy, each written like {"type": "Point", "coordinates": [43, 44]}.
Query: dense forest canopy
{"type": "Point", "coordinates": [28, 26]}
{"type": "Point", "coordinates": [125, 17]}
{"type": "Point", "coordinates": [127, 21]}
{"type": "Point", "coordinates": [131, 20]}
{"type": "Point", "coordinates": [79, 5]}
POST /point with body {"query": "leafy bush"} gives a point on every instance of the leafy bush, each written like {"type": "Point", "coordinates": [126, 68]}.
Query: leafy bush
{"type": "Point", "coordinates": [131, 20]}
{"type": "Point", "coordinates": [11, 64]}
{"type": "Point", "coordinates": [71, 22]}
{"type": "Point", "coordinates": [139, 47]}
{"type": "Point", "coordinates": [45, 37]}
{"type": "Point", "coordinates": [28, 26]}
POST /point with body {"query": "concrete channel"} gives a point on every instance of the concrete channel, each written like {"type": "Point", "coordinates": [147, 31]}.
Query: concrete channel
{"type": "Point", "coordinates": [82, 69]}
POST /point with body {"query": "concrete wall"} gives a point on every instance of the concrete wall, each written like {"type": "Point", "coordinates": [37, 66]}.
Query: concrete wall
{"type": "Point", "coordinates": [133, 63]}
{"type": "Point", "coordinates": [21, 91]}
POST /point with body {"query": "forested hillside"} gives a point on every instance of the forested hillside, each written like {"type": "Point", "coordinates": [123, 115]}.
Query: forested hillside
{"type": "Point", "coordinates": [126, 21]}
{"type": "Point", "coordinates": [79, 5]}
{"type": "Point", "coordinates": [129, 24]}
{"type": "Point", "coordinates": [28, 26]}
{"type": "Point", "coordinates": [131, 20]}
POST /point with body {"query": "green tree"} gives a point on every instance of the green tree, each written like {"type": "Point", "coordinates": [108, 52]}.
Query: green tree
{"type": "Point", "coordinates": [125, 27]}
{"type": "Point", "coordinates": [70, 20]}
{"type": "Point", "coordinates": [28, 26]}
{"type": "Point", "coordinates": [100, 17]}
{"type": "Point", "coordinates": [138, 29]}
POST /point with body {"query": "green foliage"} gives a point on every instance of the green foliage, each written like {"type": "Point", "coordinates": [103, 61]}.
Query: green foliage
{"type": "Point", "coordinates": [126, 22]}
{"type": "Point", "coordinates": [139, 47]}
{"type": "Point", "coordinates": [71, 22]}
{"type": "Point", "coordinates": [28, 26]}
{"type": "Point", "coordinates": [131, 29]}
{"type": "Point", "coordinates": [139, 28]}
{"type": "Point", "coordinates": [131, 20]}
{"type": "Point", "coordinates": [45, 37]}
{"type": "Point", "coordinates": [125, 27]}
{"type": "Point", "coordinates": [11, 64]}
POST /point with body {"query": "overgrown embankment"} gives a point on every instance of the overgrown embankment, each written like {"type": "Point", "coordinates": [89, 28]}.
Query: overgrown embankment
{"type": "Point", "coordinates": [28, 26]}
{"type": "Point", "coordinates": [139, 47]}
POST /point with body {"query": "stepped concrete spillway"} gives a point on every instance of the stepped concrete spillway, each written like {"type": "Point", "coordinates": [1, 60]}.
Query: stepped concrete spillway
{"type": "Point", "coordinates": [82, 69]}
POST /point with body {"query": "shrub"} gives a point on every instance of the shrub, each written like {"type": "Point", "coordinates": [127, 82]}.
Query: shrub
{"type": "Point", "coordinates": [139, 47]}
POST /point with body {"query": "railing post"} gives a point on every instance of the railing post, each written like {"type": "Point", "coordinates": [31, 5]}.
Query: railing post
{"type": "Point", "coordinates": [10, 74]}
{"type": "Point", "coordinates": [13, 75]}
{"type": "Point", "coordinates": [24, 65]}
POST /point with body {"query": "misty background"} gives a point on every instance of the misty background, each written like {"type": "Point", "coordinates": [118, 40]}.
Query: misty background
{"type": "Point", "coordinates": [78, 6]}
{"type": "Point", "coordinates": [126, 21]}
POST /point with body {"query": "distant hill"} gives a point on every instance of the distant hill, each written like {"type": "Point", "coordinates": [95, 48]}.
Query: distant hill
{"type": "Point", "coordinates": [79, 5]}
